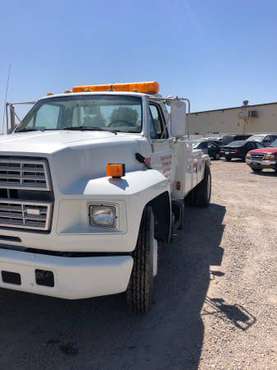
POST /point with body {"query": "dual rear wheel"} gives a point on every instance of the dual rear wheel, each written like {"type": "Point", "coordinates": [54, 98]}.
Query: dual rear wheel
{"type": "Point", "coordinates": [200, 196]}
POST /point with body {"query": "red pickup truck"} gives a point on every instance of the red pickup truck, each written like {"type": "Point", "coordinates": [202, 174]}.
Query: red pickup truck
{"type": "Point", "coordinates": [259, 159]}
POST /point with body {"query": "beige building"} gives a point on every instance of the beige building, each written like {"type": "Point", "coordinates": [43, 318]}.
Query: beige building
{"type": "Point", "coordinates": [259, 118]}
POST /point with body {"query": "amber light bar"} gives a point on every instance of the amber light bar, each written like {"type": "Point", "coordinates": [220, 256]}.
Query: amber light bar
{"type": "Point", "coordinates": [150, 87]}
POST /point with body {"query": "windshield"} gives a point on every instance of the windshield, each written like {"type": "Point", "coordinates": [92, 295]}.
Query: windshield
{"type": "Point", "coordinates": [235, 144]}
{"type": "Point", "coordinates": [274, 144]}
{"type": "Point", "coordinates": [258, 138]}
{"type": "Point", "coordinates": [195, 144]}
{"type": "Point", "coordinates": [103, 112]}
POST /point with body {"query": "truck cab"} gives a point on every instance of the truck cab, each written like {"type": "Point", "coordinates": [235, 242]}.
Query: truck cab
{"type": "Point", "coordinates": [91, 181]}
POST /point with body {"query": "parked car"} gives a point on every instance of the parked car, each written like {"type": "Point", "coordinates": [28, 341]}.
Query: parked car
{"type": "Point", "coordinates": [212, 148]}
{"type": "Point", "coordinates": [259, 159]}
{"type": "Point", "coordinates": [265, 139]}
{"type": "Point", "coordinates": [239, 149]}
{"type": "Point", "coordinates": [227, 139]}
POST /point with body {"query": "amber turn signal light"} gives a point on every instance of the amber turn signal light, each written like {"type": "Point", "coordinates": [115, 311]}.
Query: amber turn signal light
{"type": "Point", "coordinates": [115, 170]}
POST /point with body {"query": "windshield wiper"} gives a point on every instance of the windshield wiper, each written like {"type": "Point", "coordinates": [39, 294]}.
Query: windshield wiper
{"type": "Point", "coordinates": [70, 128]}
{"type": "Point", "coordinates": [88, 128]}
{"type": "Point", "coordinates": [30, 129]}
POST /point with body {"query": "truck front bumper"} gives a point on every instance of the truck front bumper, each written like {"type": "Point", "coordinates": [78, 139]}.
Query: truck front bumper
{"type": "Point", "coordinates": [261, 164]}
{"type": "Point", "coordinates": [64, 277]}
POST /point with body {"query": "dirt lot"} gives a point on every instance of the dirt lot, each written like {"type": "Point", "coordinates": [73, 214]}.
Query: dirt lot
{"type": "Point", "coordinates": [216, 298]}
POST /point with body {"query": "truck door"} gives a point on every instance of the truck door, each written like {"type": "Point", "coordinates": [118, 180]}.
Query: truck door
{"type": "Point", "coordinates": [162, 157]}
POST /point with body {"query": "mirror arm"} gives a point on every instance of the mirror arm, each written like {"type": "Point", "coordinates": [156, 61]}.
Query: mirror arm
{"type": "Point", "coordinates": [188, 113]}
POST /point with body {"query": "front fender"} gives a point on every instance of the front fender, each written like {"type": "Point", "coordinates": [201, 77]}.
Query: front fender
{"type": "Point", "coordinates": [148, 184]}
{"type": "Point", "coordinates": [130, 193]}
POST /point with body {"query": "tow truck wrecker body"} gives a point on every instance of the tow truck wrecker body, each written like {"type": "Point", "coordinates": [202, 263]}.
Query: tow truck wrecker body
{"type": "Point", "coordinates": [90, 182]}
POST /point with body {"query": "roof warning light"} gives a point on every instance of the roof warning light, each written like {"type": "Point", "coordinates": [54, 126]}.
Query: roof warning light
{"type": "Point", "coordinates": [149, 87]}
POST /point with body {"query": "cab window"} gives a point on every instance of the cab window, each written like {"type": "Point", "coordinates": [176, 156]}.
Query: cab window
{"type": "Point", "coordinates": [212, 145]}
{"type": "Point", "coordinates": [158, 129]}
{"type": "Point", "coordinates": [203, 145]}
{"type": "Point", "coordinates": [47, 116]}
{"type": "Point", "coordinates": [250, 146]}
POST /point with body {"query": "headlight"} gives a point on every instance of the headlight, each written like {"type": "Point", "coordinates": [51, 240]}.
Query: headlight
{"type": "Point", "coordinates": [101, 215]}
{"type": "Point", "coordinates": [269, 157]}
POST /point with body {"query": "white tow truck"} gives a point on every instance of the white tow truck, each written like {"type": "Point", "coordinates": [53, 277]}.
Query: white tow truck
{"type": "Point", "coordinates": [90, 182]}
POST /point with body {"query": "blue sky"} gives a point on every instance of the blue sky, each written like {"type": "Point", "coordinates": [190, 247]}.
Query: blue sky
{"type": "Point", "coordinates": [215, 52]}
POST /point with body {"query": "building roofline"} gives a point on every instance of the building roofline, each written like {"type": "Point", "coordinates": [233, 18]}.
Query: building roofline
{"type": "Point", "coordinates": [239, 107]}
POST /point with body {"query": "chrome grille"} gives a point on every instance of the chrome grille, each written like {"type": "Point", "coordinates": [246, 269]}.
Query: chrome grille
{"type": "Point", "coordinates": [257, 156]}
{"type": "Point", "coordinates": [21, 173]}
{"type": "Point", "coordinates": [25, 215]}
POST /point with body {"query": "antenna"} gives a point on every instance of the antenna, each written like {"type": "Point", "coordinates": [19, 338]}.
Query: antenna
{"type": "Point", "coordinates": [6, 96]}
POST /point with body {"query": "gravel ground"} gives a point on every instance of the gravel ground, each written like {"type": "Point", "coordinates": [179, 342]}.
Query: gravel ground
{"type": "Point", "coordinates": [215, 302]}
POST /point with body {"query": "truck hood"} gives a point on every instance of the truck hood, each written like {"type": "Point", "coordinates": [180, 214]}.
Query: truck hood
{"type": "Point", "coordinates": [48, 142]}
{"type": "Point", "coordinates": [264, 150]}
{"type": "Point", "coordinates": [76, 157]}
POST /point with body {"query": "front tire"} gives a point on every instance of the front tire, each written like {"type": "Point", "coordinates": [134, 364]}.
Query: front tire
{"type": "Point", "coordinates": [256, 170]}
{"type": "Point", "coordinates": [140, 289]}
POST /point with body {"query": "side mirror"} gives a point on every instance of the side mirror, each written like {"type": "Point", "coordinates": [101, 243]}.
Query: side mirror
{"type": "Point", "coordinates": [177, 118]}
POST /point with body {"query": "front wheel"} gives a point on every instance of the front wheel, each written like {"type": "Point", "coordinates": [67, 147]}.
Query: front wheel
{"type": "Point", "coordinates": [140, 289]}
{"type": "Point", "coordinates": [256, 169]}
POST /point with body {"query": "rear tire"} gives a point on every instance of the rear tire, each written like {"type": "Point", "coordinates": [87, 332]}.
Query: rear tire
{"type": "Point", "coordinates": [200, 196]}
{"type": "Point", "coordinates": [217, 156]}
{"type": "Point", "coordinates": [140, 289]}
{"type": "Point", "coordinates": [227, 159]}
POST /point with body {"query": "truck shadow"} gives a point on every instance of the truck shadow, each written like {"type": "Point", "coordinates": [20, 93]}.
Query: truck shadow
{"type": "Point", "coordinates": [41, 332]}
